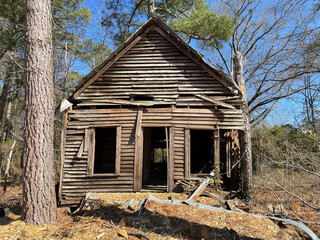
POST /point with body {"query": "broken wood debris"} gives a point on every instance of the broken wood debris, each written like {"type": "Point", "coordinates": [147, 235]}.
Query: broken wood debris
{"type": "Point", "coordinates": [144, 203]}
{"type": "Point", "coordinates": [192, 188]}
{"type": "Point", "coordinates": [200, 189]}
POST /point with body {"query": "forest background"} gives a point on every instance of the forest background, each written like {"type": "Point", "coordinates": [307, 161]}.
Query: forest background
{"type": "Point", "coordinates": [280, 43]}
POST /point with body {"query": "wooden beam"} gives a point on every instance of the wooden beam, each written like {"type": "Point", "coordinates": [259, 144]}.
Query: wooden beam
{"type": "Point", "coordinates": [214, 101]}
{"type": "Point", "coordinates": [137, 185]}
{"type": "Point", "coordinates": [91, 150]}
{"type": "Point", "coordinates": [63, 144]}
{"type": "Point", "coordinates": [109, 64]}
{"type": "Point", "coordinates": [216, 143]}
{"type": "Point", "coordinates": [80, 151]}
{"type": "Point", "coordinates": [228, 156]}
{"type": "Point", "coordinates": [170, 162]}
{"type": "Point", "coordinates": [125, 102]}
{"type": "Point", "coordinates": [187, 153]}
{"type": "Point", "coordinates": [118, 151]}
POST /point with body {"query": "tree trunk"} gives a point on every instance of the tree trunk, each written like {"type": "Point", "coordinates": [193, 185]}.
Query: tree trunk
{"type": "Point", "coordinates": [39, 200]}
{"type": "Point", "coordinates": [3, 97]}
{"type": "Point", "coordinates": [6, 172]}
{"type": "Point", "coordinates": [150, 8]}
{"type": "Point", "coordinates": [245, 135]}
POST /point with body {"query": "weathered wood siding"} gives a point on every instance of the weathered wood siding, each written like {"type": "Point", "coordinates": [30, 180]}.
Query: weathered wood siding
{"type": "Point", "coordinates": [156, 68]}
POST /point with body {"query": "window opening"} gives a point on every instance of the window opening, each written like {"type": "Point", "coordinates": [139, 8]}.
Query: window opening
{"type": "Point", "coordinates": [105, 150]}
{"type": "Point", "coordinates": [202, 152]}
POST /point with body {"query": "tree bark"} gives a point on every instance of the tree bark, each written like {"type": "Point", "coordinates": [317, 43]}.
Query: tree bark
{"type": "Point", "coordinates": [245, 135]}
{"type": "Point", "coordinates": [39, 201]}
{"type": "Point", "coordinates": [150, 8]}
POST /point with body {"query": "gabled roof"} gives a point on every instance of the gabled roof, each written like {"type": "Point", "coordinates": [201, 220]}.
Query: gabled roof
{"type": "Point", "coordinates": [156, 21]}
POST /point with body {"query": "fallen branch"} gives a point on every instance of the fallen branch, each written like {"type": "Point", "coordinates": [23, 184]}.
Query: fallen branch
{"type": "Point", "coordinates": [296, 196]}
{"type": "Point", "coordinates": [6, 173]}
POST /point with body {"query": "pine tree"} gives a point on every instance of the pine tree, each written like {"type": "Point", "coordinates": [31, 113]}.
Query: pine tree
{"type": "Point", "coordinates": [39, 201]}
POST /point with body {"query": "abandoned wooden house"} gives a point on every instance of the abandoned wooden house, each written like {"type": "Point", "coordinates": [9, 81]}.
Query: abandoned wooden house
{"type": "Point", "coordinates": [153, 113]}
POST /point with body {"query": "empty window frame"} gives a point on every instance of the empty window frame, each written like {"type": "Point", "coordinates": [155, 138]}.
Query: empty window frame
{"type": "Point", "coordinates": [104, 150]}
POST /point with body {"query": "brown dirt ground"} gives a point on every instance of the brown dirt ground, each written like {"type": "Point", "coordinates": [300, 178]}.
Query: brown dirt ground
{"type": "Point", "coordinates": [157, 221]}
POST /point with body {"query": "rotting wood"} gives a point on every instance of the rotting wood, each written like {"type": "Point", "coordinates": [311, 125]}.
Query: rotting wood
{"type": "Point", "coordinates": [187, 153]}
{"type": "Point", "coordinates": [80, 151]}
{"type": "Point", "coordinates": [91, 143]}
{"type": "Point", "coordinates": [62, 145]}
{"type": "Point", "coordinates": [216, 143]}
{"type": "Point", "coordinates": [153, 68]}
{"type": "Point", "coordinates": [138, 150]}
{"type": "Point", "coordinates": [228, 157]}
{"type": "Point", "coordinates": [86, 140]}
{"type": "Point", "coordinates": [205, 192]}
{"type": "Point", "coordinates": [118, 151]}
{"type": "Point", "coordinates": [214, 101]}
{"type": "Point", "coordinates": [171, 160]}
{"type": "Point", "coordinates": [201, 188]}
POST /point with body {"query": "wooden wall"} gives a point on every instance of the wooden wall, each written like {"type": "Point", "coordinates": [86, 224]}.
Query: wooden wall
{"type": "Point", "coordinates": [158, 68]}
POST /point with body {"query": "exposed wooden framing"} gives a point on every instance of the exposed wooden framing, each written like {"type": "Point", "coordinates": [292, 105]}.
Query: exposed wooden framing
{"type": "Point", "coordinates": [216, 143]}
{"type": "Point", "coordinates": [102, 70]}
{"type": "Point", "coordinates": [187, 153]}
{"type": "Point", "coordinates": [62, 144]}
{"type": "Point", "coordinates": [118, 151]}
{"type": "Point", "coordinates": [214, 101]}
{"type": "Point", "coordinates": [228, 157]}
{"type": "Point", "coordinates": [170, 162]}
{"type": "Point", "coordinates": [168, 158]}
{"type": "Point", "coordinates": [138, 161]}
{"type": "Point", "coordinates": [86, 141]}
{"type": "Point", "coordinates": [92, 145]}
{"type": "Point", "coordinates": [80, 151]}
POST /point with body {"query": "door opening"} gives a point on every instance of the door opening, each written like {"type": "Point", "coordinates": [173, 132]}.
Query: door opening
{"type": "Point", "coordinates": [202, 152]}
{"type": "Point", "coordinates": [155, 143]}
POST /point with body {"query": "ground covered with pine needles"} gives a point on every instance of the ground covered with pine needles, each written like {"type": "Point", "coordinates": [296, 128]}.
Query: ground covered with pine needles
{"type": "Point", "coordinates": [104, 220]}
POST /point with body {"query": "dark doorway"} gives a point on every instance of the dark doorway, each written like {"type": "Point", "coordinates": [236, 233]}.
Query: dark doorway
{"type": "Point", "coordinates": [202, 152]}
{"type": "Point", "coordinates": [154, 156]}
